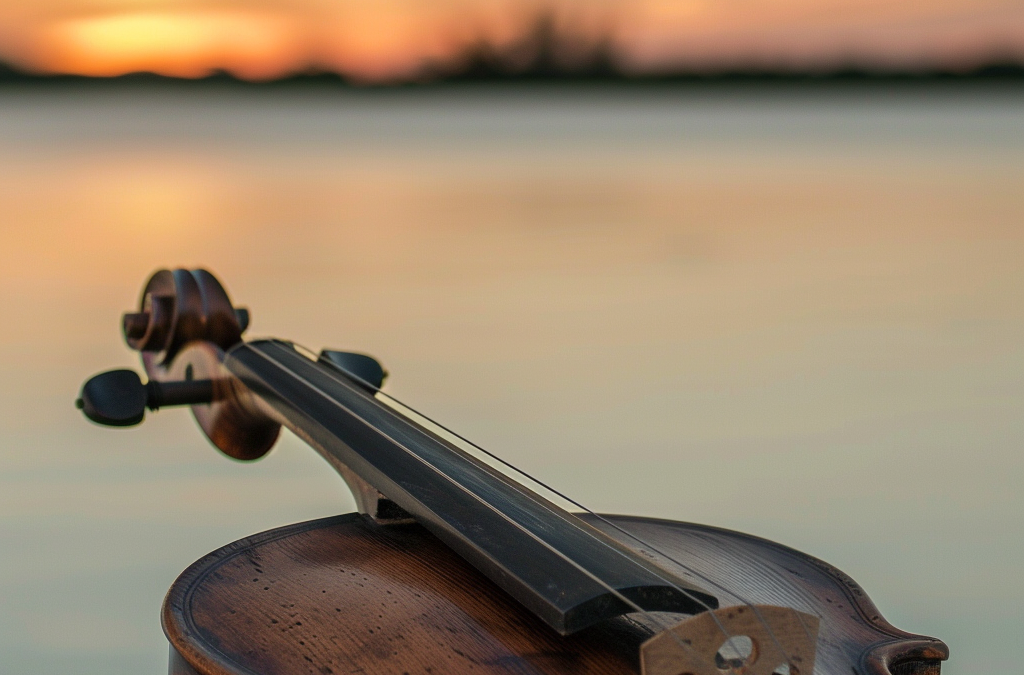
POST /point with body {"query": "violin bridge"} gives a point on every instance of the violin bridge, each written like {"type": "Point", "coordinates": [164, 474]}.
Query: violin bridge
{"type": "Point", "coordinates": [738, 640]}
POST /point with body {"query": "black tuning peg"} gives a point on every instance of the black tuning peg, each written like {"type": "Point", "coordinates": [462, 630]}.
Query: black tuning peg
{"type": "Point", "coordinates": [366, 369]}
{"type": "Point", "coordinates": [118, 398]}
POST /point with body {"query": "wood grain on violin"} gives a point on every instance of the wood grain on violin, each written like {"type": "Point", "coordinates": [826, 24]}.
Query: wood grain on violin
{"type": "Point", "coordinates": [344, 595]}
{"type": "Point", "coordinates": [452, 565]}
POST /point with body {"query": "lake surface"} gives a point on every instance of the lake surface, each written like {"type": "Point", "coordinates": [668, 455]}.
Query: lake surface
{"type": "Point", "coordinates": [798, 314]}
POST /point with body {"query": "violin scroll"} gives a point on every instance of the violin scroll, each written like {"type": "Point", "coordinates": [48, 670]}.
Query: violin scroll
{"type": "Point", "coordinates": [181, 306]}
{"type": "Point", "coordinates": [184, 326]}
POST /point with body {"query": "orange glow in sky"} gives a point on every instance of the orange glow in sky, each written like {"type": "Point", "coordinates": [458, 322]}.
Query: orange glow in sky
{"type": "Point", "coordinates": [392, 38]}
{"type": "Point", "coordinates": [184, 44]}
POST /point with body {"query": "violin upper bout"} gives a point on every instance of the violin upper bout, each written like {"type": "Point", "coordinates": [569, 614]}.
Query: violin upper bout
{"type": "Point", "coordinates": [183, 328]}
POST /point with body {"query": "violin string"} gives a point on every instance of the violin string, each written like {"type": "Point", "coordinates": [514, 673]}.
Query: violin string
{"type": "Point", "coordinates": [516, 484]}
{"type": "Point", "coordinates": [601, 518]}
{"type": "Point", "coordinates": [520, 487]}
{"type": "Point", "coordinates": [615, 526]}
{"type": "Point", "coordinates": [664, 625]}
{"type": "Point", "coordinates": [721, 627]}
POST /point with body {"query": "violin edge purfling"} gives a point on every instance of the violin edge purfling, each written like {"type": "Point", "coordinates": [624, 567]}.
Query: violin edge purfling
{"type": "Point", "coordinates": [568, 572]}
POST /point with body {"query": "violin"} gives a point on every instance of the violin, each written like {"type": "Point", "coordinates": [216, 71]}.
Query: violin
{"type": "Point", "coordinates": [455, 562]}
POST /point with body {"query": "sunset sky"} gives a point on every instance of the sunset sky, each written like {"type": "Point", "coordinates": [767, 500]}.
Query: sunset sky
{"type": "Point", "coordinates": [387, 39]}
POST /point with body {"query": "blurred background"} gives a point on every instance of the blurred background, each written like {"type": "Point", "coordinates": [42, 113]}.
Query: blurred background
{"type": "Point", "coordinates": [747, 263]}
{"type": "Point", "coordinates": [405, 40]}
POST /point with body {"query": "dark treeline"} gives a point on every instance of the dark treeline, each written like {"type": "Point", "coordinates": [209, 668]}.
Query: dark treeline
{"type": "Point", "coordinates": [1001, 73]}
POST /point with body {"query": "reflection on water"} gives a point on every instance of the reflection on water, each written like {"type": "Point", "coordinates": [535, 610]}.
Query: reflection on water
{"type": "Point", "coordinates": [795, 315]}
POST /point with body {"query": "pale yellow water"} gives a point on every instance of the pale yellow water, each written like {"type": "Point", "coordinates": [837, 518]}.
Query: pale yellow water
{"type": "Point", "coordinates": [800, 315]}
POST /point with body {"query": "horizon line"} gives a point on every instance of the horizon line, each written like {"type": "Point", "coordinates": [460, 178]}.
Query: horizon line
{"type": "Point", "coordinates": [996, 71]}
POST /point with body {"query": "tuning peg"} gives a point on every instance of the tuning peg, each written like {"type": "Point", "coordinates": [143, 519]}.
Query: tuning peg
{"type": "Point", "coordinates": [118, 398]}
{"type": "Point", "coordinates": [366, 369]}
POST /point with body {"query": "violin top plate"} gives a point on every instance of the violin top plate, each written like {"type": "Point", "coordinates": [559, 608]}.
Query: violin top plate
{"type": "Point", "coordinates": [344, 594]}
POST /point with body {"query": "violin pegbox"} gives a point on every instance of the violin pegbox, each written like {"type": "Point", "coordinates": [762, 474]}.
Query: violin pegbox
{"type": "Point", "coordinates": [740, 640]}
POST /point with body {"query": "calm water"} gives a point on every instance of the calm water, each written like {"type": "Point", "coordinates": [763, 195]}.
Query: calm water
{"type": "Point", "coordinates": [796, 315]}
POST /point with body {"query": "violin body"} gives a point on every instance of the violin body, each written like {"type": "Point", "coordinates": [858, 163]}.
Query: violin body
{"type": "Point", "coordinates": [456, 562]}
{"type": "Point", "coordinates": [346, 595]}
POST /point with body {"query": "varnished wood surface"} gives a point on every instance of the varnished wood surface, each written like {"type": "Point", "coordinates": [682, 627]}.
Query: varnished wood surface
{"type": "Point", "coordinates": [344, 595]}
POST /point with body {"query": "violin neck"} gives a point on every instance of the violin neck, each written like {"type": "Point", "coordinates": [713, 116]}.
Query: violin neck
{"type": "Point", "coordinates": [567, 572]}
